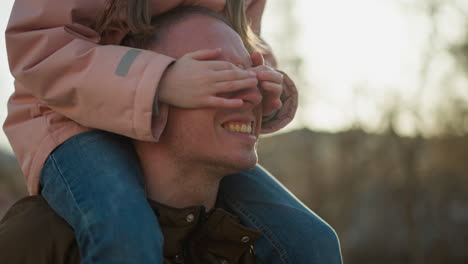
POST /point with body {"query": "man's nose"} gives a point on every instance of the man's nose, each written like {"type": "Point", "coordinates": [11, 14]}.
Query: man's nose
{"type": "Point", "coordinates": [250, 96]}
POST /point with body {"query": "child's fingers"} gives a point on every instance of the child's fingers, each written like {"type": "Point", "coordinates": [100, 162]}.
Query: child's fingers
{"type": "Point", "coordinates": [270, 103]}
{"type": "Point", "coordinates": [271, 75]}
{"type": "Point", "coordinates": [269, 106]}
{"type": "Point", "coordinates": [214, 101]}
{"type": "Point", "coordinates": [257, 58]}
{"type": "Point", "coordinates": [271, 96]}
{"type": "Point", "coordinates": [232, 75]}
{"type": "Point", "coordinates": [273, 89]}
{"type": "Point", "coordinates": [217, 65]}
{"type": "Point", "coordinates": [205, 54]}
{"type": "Point", "coordinates": [230, 86]}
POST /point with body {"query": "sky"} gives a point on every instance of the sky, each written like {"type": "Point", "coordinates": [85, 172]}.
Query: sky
{"type": "Point", "coordinates": [356, 54]}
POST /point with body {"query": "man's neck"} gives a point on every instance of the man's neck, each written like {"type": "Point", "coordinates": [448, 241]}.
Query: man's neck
{"type": "Point", "coordinates": [179, 184]}
{"type": "Point", "coordinates": [181, 189]}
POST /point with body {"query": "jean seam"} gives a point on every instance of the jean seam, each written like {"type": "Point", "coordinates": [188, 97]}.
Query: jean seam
{"type": "Point", "coordinates": [85, 220]}
{"type": "Point", "coordinates": [267, 233]}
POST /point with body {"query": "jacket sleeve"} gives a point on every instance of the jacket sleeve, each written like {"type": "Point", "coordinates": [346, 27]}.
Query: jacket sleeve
{"type": "Point", "coordinates": [55, 56]}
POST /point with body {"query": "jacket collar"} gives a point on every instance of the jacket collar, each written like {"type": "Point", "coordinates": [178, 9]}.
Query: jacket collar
{"type": "Point", "coordinates": [217, 232]}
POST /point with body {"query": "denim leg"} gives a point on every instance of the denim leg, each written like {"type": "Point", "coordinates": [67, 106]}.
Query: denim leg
{"type": "Point", "coordinates": [292, 233]}
{"type": "Point", "coordinates": [95, 183]}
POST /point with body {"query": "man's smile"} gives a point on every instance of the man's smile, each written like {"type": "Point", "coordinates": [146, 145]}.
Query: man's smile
{"type": "Point", "coordinates": [239, 127]}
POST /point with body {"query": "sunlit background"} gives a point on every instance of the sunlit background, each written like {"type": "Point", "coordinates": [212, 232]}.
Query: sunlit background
{"type": "Point", "coordinates": [379, 144]}
{"type": "Point", "coordinates": [6, 81]}
{"type": "Point", "coordinates": [359, 61]}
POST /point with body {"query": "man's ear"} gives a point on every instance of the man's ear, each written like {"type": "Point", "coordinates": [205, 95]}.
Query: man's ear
{"type": "Point", "coordinates": [257, 59]}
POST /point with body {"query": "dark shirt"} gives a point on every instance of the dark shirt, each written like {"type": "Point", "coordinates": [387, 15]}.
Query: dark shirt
{"type": "Point", "coordinates": [32, 233]}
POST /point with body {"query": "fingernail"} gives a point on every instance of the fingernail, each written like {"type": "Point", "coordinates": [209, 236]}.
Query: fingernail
{"type": "Point", "coordinates": [252, 73]}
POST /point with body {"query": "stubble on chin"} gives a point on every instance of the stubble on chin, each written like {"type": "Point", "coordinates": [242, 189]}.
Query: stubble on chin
{"type": "Point", "coordinates": [225, 168]}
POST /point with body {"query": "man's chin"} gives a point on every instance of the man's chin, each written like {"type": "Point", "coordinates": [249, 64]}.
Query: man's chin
{"type": "Point", "coordinates": [247, 165]}
{"type": "Point", "coordinates": [238, 165]}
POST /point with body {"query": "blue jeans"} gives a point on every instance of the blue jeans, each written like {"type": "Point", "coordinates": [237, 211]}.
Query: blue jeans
{"type": "Point", "coordinates": [94, 182]}
{"type": "Point", "coordinates": [292, 233]}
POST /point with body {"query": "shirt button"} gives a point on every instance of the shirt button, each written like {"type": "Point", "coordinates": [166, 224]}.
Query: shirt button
{"type": "Point", "coordinates": [179, 259]}
{"type": "Point", "coordinates": [245, 239]}
{"type": "Point", "coordinates": [190, 218]}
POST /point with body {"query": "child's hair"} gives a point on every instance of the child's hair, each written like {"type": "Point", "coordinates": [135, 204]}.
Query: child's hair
{"type": "Point", "coordinates": [235, 14]}
{"type": "Point", "coordinates": [141, 27]}
{"type": "Point", "coordinates": [163, 22]}
{"type": "Point", "coordinates": [136, 14]}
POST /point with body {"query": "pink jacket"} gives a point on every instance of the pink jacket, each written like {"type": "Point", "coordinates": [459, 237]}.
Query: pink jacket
{"type": "Point", "coordinates": [66, 83]}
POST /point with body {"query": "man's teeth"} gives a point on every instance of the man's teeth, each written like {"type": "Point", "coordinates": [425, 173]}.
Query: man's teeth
{"type": "Point", "coordinates": [239, 127]}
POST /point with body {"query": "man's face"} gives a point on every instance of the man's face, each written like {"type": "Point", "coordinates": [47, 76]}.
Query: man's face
{"type": "Point", "coordinates": [211, 136]}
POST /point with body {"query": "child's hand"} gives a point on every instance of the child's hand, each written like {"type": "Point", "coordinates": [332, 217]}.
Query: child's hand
{"type": "Point", "coordinates": [195, 79]}
{"type": "Point", "coordinates": [271, 84]}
